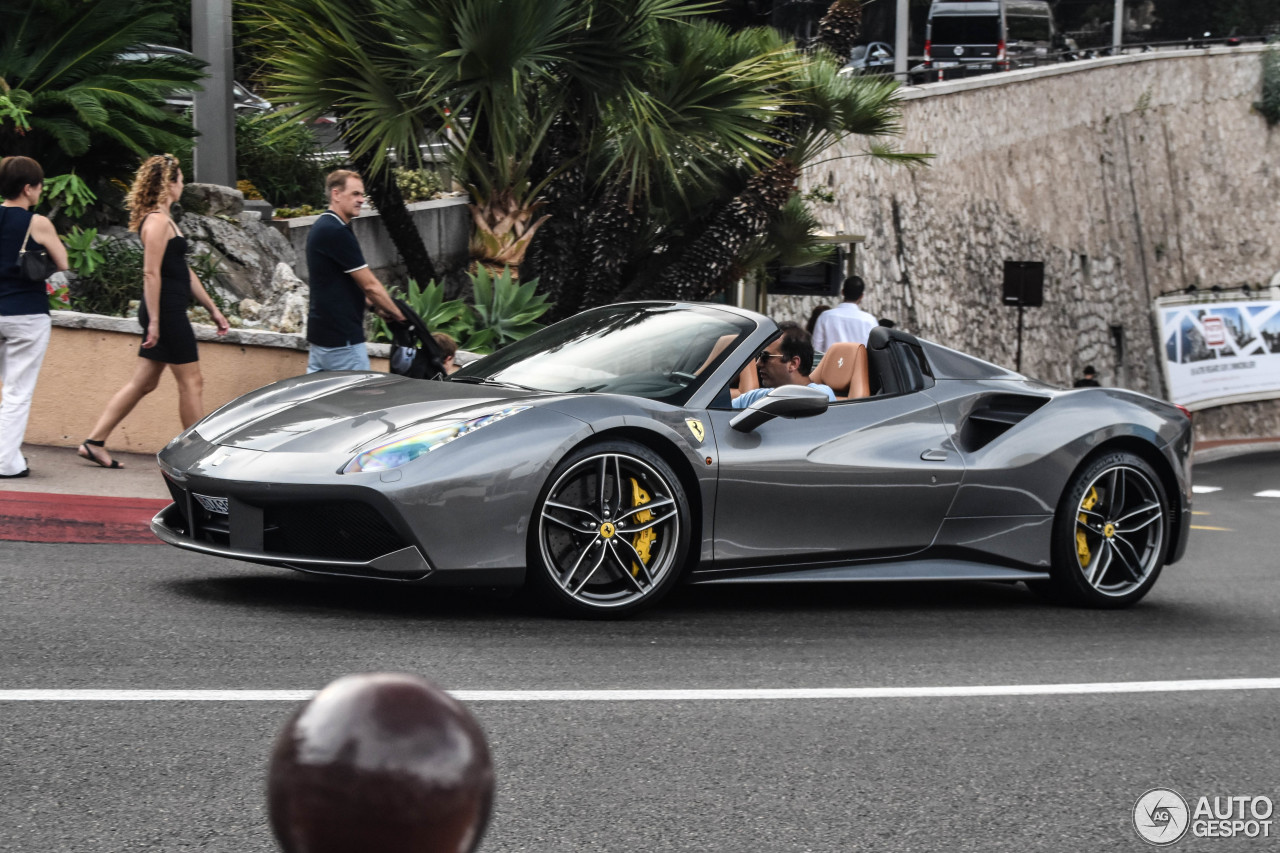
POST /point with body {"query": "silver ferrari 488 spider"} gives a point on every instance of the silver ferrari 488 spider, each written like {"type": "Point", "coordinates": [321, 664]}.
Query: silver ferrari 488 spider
{"type": "Point", "coordinates": [600, 461]}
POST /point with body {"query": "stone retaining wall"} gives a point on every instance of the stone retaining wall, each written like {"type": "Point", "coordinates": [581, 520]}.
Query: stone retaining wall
{"type": "Point", "coordinates": [1128, 176]}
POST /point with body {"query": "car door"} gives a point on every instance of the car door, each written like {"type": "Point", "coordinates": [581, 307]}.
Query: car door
{"type": "Point", "coordinates": [866, 479]}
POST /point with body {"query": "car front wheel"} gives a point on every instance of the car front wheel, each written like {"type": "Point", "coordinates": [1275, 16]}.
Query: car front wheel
{"type": "Point", "coordinates": [1111, 534]}
{"type": "Point", "coordinates": [611, 531]}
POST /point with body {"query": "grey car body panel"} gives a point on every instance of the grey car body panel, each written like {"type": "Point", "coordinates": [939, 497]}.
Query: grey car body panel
{"type": "Point", "coordinates": [848, 481]}
{"type": "Point", "coordinates": [888, 487]}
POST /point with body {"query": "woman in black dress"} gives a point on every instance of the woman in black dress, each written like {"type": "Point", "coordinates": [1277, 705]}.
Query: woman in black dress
{"type": "Point", "coordinates": [169, 285]}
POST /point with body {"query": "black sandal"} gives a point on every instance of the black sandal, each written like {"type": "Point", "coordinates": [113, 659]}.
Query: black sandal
{"type": "Point", "coordinates": [88, 454]}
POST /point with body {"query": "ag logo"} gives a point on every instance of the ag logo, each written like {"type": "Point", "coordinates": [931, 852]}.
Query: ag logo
{"type": "Point", "coordinates": [695, 427]}
{"type": "Point", "coordinates": [1161, 817]}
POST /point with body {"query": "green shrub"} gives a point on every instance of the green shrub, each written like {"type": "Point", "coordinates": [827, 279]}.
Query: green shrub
{"type": "Point", "coordinates": [116, 279]}
{"type": "Point", "coordinates": [291, 212]}
{"type": "Point", "coordinates": [282, 158]}
{"type": "Point", "coordinates": [505, 308]}
{"type": "Point", "coordinates": [417, 184]}
{"type": "Point", "coordinates": [504, 311]}
{"type": "Point", "coordinates": [1269, 106]}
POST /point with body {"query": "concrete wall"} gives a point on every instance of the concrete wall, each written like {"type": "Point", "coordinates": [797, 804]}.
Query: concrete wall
{"type": "Point", "coordinates": [445, 225]}
{"type": "Point", "coordinates": [91, 357]}
{"type": "Point", "coordinates": [1127, 176]}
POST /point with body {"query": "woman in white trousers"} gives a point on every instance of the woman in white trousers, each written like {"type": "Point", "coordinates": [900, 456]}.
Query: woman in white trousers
{"type": "Point", "coordinates": [24, 304]}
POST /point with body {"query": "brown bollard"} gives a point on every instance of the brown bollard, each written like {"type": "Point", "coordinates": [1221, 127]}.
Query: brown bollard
{"type": "Point", "coordinates": [380, 763]}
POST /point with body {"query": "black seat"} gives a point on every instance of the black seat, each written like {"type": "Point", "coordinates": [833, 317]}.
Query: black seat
{"type": "Point", "coordinates": [897, 362]}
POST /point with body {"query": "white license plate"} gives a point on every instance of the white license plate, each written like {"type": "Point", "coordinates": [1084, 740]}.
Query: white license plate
{"type": "Point", "coordinates": [216, 505]}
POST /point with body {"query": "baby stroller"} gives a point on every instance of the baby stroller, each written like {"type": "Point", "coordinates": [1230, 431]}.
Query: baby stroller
{"type": "Point", "coordinates": [414, 352]}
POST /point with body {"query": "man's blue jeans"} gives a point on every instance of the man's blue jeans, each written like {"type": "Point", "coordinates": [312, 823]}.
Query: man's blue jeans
{"type": "Point", "coordinates": [353, 357]}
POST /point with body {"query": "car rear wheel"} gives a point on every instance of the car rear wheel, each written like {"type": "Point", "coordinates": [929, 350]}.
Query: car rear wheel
{"type": "Point", "coordinates": [1110, 535]}
{"type": "Point", "coordinates": [611, 531]}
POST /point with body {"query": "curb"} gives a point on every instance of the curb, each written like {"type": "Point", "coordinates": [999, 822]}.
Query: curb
{"type": "Point", "coordinates": [79, 519]}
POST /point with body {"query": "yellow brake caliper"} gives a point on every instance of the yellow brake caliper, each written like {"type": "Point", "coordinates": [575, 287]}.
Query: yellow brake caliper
{"type": "Point", "coordinates": [643, 540]}
{"type": "Point", "coordinates": [1082, 544]}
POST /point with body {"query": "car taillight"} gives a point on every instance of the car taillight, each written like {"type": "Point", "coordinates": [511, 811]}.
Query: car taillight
{"type": "Point", "coordinates": [1185, 411]}
{"type": "Point", "coordinates": [1001, 60]}
{"type": "Point", "coordinates": [928, 52]}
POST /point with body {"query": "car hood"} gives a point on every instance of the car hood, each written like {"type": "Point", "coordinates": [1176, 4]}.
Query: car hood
{"type": "Point", "coordinates": [344, 412]}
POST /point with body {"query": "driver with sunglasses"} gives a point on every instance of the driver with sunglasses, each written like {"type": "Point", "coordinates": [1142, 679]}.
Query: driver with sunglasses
{"type": "Point", "coordinates": [786, 361]}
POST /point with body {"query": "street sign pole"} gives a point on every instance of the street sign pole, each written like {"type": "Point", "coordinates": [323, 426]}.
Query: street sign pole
{"type": "Point", "coordinates": [900, 42]}
{"type": "Point", "coordinates": [214, 113]}
{"type": "Point", "coordinates": [1117, 31]}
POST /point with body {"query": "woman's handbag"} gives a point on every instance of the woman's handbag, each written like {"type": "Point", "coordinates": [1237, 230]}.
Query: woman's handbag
{"type": "Point", "coordinates": [35, 264]}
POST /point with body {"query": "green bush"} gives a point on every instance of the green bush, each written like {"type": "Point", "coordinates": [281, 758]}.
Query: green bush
{"type": "Point", "coordinates": [291, 212]}
{"type": "Point", "coordinates": [282, 158]}
{"type": "Point", "coordinates": [505, 311]}
{"type": "Point", "coordinates": [505, 308]}
{"type": "Point", "coordinates": [417, 184]}
{"type": "Point", "coordinates": [1269, 106]}
{"type": "Point", "coordinates": [115, 280]}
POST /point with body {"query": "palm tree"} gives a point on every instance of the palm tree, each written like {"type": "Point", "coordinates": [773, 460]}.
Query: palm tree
{"type": "Point", "coordinates": [616, 146]}
{"type": "Point", "coordinates": [345, 59]}
{"type": "Point", "coordinates": [75, 105]}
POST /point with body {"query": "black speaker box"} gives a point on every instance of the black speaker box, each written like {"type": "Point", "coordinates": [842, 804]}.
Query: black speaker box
{"type": "Point", "coordinates": [1024, 283]}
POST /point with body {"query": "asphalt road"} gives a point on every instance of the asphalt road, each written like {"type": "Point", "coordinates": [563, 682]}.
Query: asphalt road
{"type": "Point", "coordinates": [1017, 773]}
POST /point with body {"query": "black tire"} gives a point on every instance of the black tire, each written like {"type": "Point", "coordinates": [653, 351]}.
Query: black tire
{"type": "Point", "coordinates": [594, 549]}
{"type": "Point", "coordinates": [1110, 534]}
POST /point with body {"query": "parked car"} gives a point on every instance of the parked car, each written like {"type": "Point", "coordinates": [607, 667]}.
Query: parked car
{"type": "Point", "coordinates": [979, 36]}
{"type": "Point", "coordinates": [245, 100]}
{"type": "Point", "coordinates": [873, 58]}
{"type": "Point", "coordinates": [600, 461]}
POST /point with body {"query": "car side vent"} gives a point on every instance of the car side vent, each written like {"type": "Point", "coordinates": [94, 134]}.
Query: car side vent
{"type": "Point", "coordinates": [994, 416]}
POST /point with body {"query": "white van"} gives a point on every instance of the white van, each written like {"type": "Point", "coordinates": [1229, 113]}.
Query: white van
{"type": "Point", "coordinates": [977, 36]}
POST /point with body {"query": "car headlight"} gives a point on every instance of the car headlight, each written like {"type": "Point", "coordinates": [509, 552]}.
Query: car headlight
{"type": "Point", "coordinates": [404, 450]}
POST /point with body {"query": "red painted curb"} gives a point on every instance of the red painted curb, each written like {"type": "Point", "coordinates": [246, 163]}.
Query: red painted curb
{"type": "Point", "coordinates": [88, 519]}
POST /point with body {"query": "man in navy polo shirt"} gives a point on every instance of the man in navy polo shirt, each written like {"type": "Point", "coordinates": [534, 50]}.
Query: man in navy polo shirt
{"type": "Point", "coordinates": [341, 282]}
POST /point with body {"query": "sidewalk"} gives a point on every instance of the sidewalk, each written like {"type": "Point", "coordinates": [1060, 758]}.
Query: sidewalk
{"type": "Point", "coordinates": [68, 499]}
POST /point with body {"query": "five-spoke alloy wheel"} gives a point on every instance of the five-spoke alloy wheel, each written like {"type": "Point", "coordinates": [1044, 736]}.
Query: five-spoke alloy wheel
{"type": "Point", "coordinates": [1111, 533]}
{"type": "Point", "coordinates": [611, 530]}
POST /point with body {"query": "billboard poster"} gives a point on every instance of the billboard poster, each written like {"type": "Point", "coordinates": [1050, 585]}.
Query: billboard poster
{"type": "Point", "coordinates": [1220, 352]}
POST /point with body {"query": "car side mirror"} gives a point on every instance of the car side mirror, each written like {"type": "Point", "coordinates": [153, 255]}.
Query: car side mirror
{"type": "Point", "coordinates": [789, 401]}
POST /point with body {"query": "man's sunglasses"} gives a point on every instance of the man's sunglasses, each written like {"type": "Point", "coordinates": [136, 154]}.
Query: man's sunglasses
{"type": "Point", "coordinates": [765, 356]}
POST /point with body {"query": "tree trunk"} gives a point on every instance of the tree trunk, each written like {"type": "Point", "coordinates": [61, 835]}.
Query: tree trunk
{"type": "Point", "coordinates": [609, 246]}
{"type": "Point", "coordinates": [704, 266]}
{"type": "Point", "coordinates": [397, 219]}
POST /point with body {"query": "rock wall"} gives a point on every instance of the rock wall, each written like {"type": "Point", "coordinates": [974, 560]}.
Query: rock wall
{"type": "Point", "coordinates": [1129, 177]}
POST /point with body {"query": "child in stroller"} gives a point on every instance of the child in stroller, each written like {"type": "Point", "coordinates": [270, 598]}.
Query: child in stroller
{"type": "Point", "coordinates": [414, 350]}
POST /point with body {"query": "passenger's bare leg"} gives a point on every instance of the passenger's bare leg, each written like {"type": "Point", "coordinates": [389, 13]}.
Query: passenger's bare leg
{"type": "Point", "coordinates": [190, 392]}
{"type": "Point", "coordinates": [144, 380]}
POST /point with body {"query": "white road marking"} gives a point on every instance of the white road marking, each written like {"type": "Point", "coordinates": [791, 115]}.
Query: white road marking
{"type": "Point", "coordinates": [1269, 493]}
{"type": "Point", "coordinates": [1205, 490]}
{"type": "Point", "coordinates": [690, 695]}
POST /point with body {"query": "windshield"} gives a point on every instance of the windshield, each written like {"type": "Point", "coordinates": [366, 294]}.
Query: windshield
{"type": "Point", "coordinates": [661, 352]}
{"type": "Point", "coordinates": [965, 29]}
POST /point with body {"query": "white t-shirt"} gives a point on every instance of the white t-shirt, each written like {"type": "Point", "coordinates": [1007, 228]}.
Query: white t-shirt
{"type": "Point", "coordinates": [845, 323]}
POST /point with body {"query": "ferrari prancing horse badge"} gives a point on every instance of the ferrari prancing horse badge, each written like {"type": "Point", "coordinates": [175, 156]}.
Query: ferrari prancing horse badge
{"type": "Point", "coordinates": [695, 427]}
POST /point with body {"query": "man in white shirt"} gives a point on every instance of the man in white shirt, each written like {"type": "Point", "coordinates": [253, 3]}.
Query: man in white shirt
{"type": "Point", "coordinates": [847, 322]}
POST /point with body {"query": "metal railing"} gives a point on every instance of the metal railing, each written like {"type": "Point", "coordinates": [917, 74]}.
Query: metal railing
{"type": "Point", "coordinates": [921, 72]}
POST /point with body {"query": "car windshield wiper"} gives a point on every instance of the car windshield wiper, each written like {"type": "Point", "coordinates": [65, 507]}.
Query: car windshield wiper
{"type": "Point", "coordinates": [484, 380]}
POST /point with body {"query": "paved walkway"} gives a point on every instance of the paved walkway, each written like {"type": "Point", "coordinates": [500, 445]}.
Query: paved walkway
{"type": "Point", "coordinates": [67, 499]}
